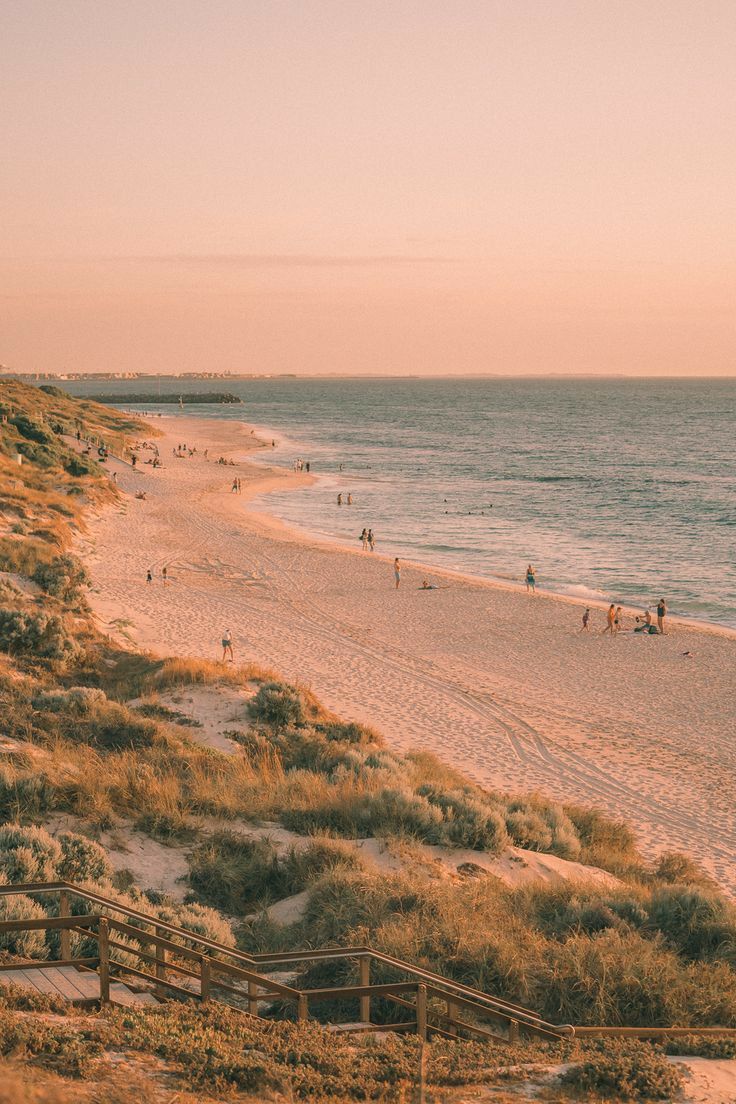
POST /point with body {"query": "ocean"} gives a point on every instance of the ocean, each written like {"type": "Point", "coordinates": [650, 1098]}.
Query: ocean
{"type": "Point", "coordinates": [620, 490]}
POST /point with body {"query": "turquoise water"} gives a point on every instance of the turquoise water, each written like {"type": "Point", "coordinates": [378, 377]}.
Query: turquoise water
{"type": "Point", "coordinates": [620, 489]}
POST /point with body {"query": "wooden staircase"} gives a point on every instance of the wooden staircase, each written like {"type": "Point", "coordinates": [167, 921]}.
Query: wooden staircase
{"type": "Point", "coordinates": [387, 993]}
{"type": "Point", "coordinates": [76, 985]}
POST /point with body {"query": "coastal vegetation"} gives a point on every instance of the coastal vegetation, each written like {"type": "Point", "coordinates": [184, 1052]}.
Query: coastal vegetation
{"type": "Point", "coordinates": [187, 398]}
{"type": "Point", "coordinates": [91, 740]}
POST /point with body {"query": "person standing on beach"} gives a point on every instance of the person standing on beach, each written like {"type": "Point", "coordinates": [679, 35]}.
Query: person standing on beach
{"type": "Point", "coordinates": [371, 539]}
{"type": "Point", "coordinates": [618, 619]}
{"type": "Point", "coordinates": [586, 620]}
{"type": "Point", "coordinates": [165, 575]}
{"type": "Point", "coordinates": [661, 614]}
{"type": "Point", "coordinates": [227, 647]}
{"type": "Point", "coordinates": [307, 466]}
{"type": "Point", "coordinates": [397, 572]}
{"type": "Point", "coordinates": [149, 576]}
{"type": "Point", "coordinates": [610, 618]}
{"type": "Point", "coordinates": [364, 539]}
{"type": "Point", "coordinates": [531, 580]}
{"type": "Point", "coordinates": [339, 500]}
{"type": "Point", "coordinates": [350, 500]}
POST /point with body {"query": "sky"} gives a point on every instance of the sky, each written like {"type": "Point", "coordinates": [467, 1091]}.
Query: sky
{"type": "Point", "coordinates": [342, 186]}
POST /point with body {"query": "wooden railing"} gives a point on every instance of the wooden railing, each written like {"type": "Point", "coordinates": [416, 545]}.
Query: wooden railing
{"type": "Point", "coordinates": [205, 970]}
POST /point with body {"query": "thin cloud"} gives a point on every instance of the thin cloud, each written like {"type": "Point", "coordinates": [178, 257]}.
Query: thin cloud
{"type": "Point", "coordinates": [289, 260]}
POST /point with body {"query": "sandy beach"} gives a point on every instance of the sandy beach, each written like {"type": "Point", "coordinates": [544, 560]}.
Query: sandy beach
{"type": "Point", "coordinates": [499, 684]}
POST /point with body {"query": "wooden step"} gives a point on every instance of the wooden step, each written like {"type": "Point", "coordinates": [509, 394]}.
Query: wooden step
{"type": "Point", "coordinates": [72, 984]}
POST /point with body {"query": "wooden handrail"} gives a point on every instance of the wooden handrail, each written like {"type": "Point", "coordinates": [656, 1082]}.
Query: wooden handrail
{"type": "Point", "coordinates": [427, 986]}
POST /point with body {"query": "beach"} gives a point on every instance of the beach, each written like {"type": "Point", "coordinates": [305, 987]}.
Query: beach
{"type": "Point", "coordinates": [499, 684]}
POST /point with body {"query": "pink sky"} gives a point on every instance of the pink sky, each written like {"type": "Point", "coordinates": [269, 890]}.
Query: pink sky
{"type": "Point", "coordinates": [391, 186]}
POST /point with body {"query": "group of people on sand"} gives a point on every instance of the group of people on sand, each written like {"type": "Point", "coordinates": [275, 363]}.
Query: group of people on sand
{"type": "Point", "coordinates": [299, 464]}
{"type": "Point", "coordinates": [237, 487]}
{"type": "Point", "coordinates": [182, 452]}
{"type": "Point", "coordinates": [643, 624]}
{"type": "Point", "coordinates": [367, 540]}
{"type": "Point", "coordinates": [348, 500]}
{"type": "Point", "coordinates": [164, 576]}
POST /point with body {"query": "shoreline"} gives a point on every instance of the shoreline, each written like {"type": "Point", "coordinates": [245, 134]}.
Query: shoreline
{"type": "Point", "coordinates": [498, 684]}
{"type": "Point", "coordinates": [276, 523]}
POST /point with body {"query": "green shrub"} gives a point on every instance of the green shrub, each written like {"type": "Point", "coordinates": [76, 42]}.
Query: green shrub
{"type": "Point", "coordinates": [31, 429]}
{"type": "Point", "coordinates": [82, 860]}
{"type": "Point", "coordinates": [278, 706]}
{"type": "Point", "coordinates": [239, 875]}
{"type": "Point", "coordinates": [63, 577]}
{"type": "Point", "coordinates": [32, 634]}
{"type": "Point", "coordinates": [626, 1070]}
{"type": "Point", "coordinates": [673, 867]}
{"type": "Point", "coordinates": [698, 922]}
{"type": "Point", "coordinates": [28, 854]}
{"type": "Point", "coordinates": [25, 944]}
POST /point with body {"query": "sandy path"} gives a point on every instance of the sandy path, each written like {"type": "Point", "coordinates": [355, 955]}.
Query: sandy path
{"type": "Point", "coordinates": [499, 684]}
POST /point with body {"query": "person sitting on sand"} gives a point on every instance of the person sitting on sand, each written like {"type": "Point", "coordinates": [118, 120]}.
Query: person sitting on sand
{"type": "Point", "coordinates": [227, 646]}
{"type": "Point", "coordinates": [531, 580]}
{"type": "Point", "coordinates": [646, 627]}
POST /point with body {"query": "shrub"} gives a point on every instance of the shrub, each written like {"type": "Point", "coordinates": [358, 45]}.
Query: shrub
{"type": "Point", "coordinates": [63, 577]}
{"type": "Point", "coordinates": [278, 706]}
{"type": "Point", "coordinates": [469, 821]}
{"type": "Point", "coordinates": [673, 867]}
{"type": "Point", "coordinates": [31, 429]}
{"type": "Point", "coordinates": [25, 944]}
{"type": "Point", "coordinates": [28, 854]}
{"type": "Point", "coordinates": [238, 874]}
{"type": "Point", "coordinates": [82, 860]}
{"type": "Point", "coordinates": [628, 1070]}
{"type": "Point", "coordinates": [698, 922]}
{"type": "Point", "coordinates": [33, 634]}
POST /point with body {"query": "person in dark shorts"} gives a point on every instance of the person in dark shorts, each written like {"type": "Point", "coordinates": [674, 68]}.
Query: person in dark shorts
{"type": "Point", "coordinates": [661, 614]}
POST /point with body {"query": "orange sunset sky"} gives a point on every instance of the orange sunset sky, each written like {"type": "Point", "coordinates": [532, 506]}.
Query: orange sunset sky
{"type": "Point", "coordinates": [368, 186]}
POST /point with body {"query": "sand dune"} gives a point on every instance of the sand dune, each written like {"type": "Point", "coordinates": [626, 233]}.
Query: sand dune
{"type": "Point", "coordinates": [499, 684]}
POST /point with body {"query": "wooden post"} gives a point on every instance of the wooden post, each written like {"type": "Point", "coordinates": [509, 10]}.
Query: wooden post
{"type": "Point", "coordinates": [513, 1031]}
{"type": "Point", "coordinates": [451, 1015]}
{"type": "Point", "coordinates": [64, 933]}
{"type": "Point", "coordinates": [365, 979]}
{"type": "Point", "coordinates": [252, 998]}
{"type": "Point", "coordinates": [104, 967]}
{"type": "Point", "coordinates": [422, 1012]}
{"type": "Point", "coordinates": [204, 978]}
{"type": "Point", "coordinates": [423, 1048]}
{"type": "Point", "coordinates": [302, 1009]}
{"type": "Point", "coordinates": [160, 970]}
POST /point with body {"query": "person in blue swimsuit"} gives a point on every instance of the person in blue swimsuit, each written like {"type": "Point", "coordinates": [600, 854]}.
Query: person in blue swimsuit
{"type": "Point", "coordinates": [531, 582]}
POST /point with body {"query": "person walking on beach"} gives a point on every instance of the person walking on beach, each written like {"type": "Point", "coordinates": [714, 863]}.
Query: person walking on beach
{"type": "Point", "coordinates": [610, 618]}
{"type": "Point", "coordinates": [586, 620]}
{"type": "Point", "coordinates": [371, 540]}
{"type": "Point", "coordinates": [531, 580]}
{"type": "Point", "coordinates": [364, 539]}
{"type": "Point", "coordinates": [234, 488]}
{"type": "Point", "coordinates": [227, 647]}
{"type": "Point", "coordinates": [350, 500]}
{"type": "Point", "coordinates": [149, 576]}
{"type": "Point", "coordinates": [661, 614]}
{"type": "Point", "coordinates": [339, 500]}
{"type": "Point", "coordinates": [397, 572]}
